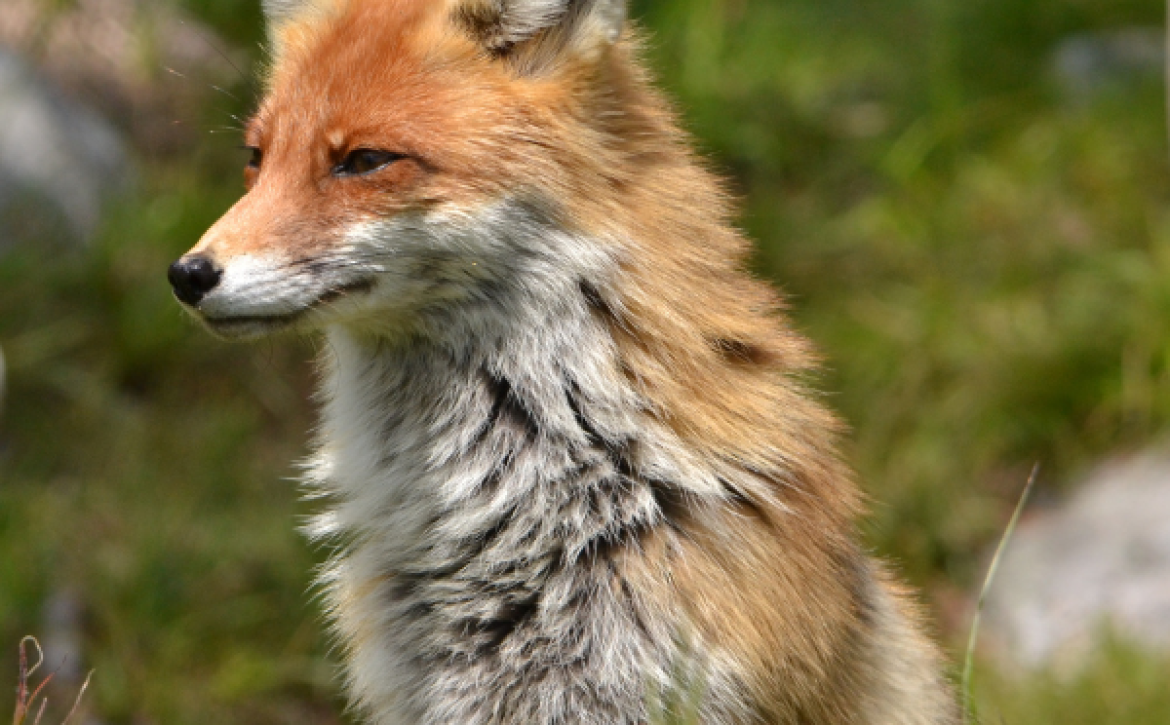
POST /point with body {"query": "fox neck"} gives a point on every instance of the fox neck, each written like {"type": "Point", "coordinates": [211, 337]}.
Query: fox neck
{"type": "Point", "coordinates": [480, 415]}
{"type": "Point", "coordinates": [483, 480]}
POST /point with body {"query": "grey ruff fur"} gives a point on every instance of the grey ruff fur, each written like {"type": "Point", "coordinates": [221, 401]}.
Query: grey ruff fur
{"type": "Point", "coordinates": [486, 470]}
{"type": "Point", "coordinates": [484, 474]}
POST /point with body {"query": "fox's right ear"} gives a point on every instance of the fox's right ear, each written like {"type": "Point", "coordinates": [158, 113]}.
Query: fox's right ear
{"type": "Point", "coordinates": [535, 34]}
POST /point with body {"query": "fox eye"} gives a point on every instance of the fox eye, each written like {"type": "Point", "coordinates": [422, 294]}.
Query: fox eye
{"type": "Point", "coordinates": [365, 161]}
{"type": "Point", "coordinates": [257, 157]}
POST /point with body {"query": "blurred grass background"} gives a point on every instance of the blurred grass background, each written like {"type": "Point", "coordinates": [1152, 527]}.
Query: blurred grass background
{"type": "Point", "coordinates": [984, 261]}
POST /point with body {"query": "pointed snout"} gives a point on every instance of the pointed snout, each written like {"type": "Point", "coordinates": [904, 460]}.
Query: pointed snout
{"type": "Point", "coordinates": [193, 277]}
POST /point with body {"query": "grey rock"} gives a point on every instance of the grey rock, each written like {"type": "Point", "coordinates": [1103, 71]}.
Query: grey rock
{"type": "Point", "coordinates": [1098, 563]}
{"type": "Point", "coordinates": [1088, 64]}
{"type": "Point", "coordinates": [147, 65]}
{"type": "Point", "coordinates": [59, 162]}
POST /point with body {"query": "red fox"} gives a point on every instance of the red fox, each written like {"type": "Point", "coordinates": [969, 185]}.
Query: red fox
{"type": "Point", "coordinates": [567, 450]}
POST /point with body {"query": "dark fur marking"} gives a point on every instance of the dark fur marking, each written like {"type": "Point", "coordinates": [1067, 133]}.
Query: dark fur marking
{"type": "Point", "coordinates": [512, 615]}
{"type": "Point", "coordinates": [499, 396]}
{"type": "Point", "coordinates": [411, 584]}
{"type": "Point", "coordinates": [482, 543]}
{"type": "Point", "coordinates": [508, 407]}
{"type": "Point", "coordinates": [742, 501]}
{"type": "Point", "coordinates": [672, 503]}
{"type": "Point", "coordinates": [607, 545]}
{"type": "Point", "coordinates": [631, 603]}
{"type": "Point", "coordinates": [739, 352]}
{"type": "Point", "coordinates": [408, 588]}
{"type": "Point", "coordinates": [360, 286]}
{"type": "Point", "coordinates": [482, 21]}
{"type": "Point", "coordinates": [491, 483]}
{"type": "Point", "coordinates": [596, 302]}
{"type": "Point", "coordinates": [501, 49]}
{"type": "Point", "coordinates": [617, 451]}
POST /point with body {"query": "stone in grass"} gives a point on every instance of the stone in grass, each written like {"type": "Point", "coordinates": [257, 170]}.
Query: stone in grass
{"type": "Point", "coordinates": [1089, 64]}
{"type": "Point", "coordinates": [1097, 564]}
{"type": "Point", "coordinates": [60, 163]}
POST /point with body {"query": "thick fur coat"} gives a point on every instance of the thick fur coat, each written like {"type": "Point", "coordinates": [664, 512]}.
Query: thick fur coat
{"type": "Point", "coordinates": [567, 452]}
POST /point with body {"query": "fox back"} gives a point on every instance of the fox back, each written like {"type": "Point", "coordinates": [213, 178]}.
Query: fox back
{"type": "Point", "coordinates": [567, 455]}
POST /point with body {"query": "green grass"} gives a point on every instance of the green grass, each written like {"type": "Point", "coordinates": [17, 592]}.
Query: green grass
{"type": "Point", "coordinates": [1121, 687]}
{"type": "Point", "coordinates": [146, 467]}
{"type": "Point", "coordinates": [986, 268]}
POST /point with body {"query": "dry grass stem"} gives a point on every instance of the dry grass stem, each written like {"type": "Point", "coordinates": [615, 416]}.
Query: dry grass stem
{"type": "Point", "coordinates": [28, 697]}
{"type": "Point", "coordinates": [969, 660]}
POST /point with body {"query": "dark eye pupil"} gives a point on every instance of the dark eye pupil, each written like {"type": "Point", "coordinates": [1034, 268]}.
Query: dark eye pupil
{"type": "Point", "coordinates": [257, 157]}
{"type": "Point", "coordinates": [364, 161]}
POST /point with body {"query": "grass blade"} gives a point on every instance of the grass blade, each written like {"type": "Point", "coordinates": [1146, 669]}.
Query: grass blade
{"type": "Point", "coordinates": [969, 660]}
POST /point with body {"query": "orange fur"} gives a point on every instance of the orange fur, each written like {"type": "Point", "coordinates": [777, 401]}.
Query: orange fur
{"type": "Point", "coordinates": [772, 578]}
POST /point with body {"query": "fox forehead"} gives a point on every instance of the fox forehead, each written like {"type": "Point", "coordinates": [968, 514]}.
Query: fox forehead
{"type": "Point", "coordinates": [397, 75]}
{"type": "Point", "coordinates": [360, 68]}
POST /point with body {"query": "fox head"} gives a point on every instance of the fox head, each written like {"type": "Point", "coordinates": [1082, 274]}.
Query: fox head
{"type": "Point", "coordinates": [411, 156]}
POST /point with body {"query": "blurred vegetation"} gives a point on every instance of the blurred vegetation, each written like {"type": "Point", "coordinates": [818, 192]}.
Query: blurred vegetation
{"type": "Point", "coordinates": [984, 262]}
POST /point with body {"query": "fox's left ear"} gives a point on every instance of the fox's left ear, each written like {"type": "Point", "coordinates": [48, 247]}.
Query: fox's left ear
{"type": "Point", "coordinates": [533, 35]}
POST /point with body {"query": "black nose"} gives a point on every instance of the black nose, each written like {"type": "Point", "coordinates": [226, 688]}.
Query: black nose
{"type": "Point", "coordinates": [193, 278]}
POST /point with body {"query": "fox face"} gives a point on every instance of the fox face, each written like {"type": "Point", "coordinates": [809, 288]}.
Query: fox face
{"type": "Point", "coordinates": [407, 156]}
